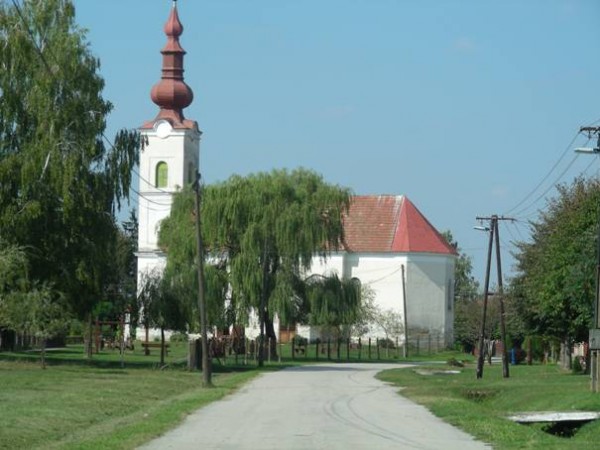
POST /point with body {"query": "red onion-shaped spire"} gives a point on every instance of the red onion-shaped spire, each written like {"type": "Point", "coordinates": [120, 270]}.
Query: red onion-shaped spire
{"type": "Point", "coordinates": [171, 93]}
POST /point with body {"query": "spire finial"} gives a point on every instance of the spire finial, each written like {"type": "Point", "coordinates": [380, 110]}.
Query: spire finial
{"type": "Point", "coordinates": [171, 93]}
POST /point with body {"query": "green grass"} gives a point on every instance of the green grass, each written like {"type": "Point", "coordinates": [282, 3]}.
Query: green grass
{"type": "Point", "coordinates": [480, 406]}
{"type": "Point", "coordinates": [79, 405]}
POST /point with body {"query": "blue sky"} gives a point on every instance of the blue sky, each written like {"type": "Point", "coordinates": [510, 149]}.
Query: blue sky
{"type": "Point", "coordinates": [464, 106]}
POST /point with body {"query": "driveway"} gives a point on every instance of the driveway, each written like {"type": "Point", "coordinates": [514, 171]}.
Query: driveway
{"type": "Point", "coordinates": [326, 406]}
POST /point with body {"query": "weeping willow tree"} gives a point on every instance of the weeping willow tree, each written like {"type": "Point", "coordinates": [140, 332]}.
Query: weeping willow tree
{"type": "Point", "coordinates": [261, 232]}
{"type": "Point", "coordinates": [333, 303]}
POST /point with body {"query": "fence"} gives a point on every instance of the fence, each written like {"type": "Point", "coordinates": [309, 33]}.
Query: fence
{"type": "Point", "coordinates": [238, 350]}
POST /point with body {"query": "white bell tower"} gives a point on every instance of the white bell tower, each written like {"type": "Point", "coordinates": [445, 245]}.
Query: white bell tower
{"type": "Point", "coordinates": [170, 158]}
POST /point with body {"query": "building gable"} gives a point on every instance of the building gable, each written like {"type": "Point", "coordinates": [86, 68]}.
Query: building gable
{"type": "Point", "coordinates": [390, 223]}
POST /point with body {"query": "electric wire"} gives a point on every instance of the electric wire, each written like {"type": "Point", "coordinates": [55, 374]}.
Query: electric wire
{"type": "Point", "coordinates": [564, 153]}
{"type": "Point", "coordinates": [552, 186]}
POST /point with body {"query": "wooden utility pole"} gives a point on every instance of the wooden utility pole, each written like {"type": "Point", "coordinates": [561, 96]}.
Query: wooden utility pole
{"type": "Point", "coordinates": [484, 309]}
{"type": "Point", "coordinates": [505, 370]}
{"type": "Point", "coordinates": [404, 318]}
{"type": "Point", "coordinates": [206, 366]}
{"type": "Point", "coordinates": [494, 236]}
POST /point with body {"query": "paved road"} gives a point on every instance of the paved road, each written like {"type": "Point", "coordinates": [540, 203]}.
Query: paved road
{"type": "Point", "coordinates": [333, 406]}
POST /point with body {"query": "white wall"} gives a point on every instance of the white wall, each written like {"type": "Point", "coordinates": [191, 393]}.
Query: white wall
{"type": "Point", "coordinates": [429, 284]}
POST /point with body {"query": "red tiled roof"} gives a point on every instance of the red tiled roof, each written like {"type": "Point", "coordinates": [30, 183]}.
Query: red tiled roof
{"type": "Point", "coordinates": [390, 223]}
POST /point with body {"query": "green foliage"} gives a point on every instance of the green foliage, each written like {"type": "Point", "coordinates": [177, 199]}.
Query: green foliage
{"type": "Point", "coordinates": [59, 183]}
{"type": "Point", "coordinates": [161, 303]}
{"type": "Point", "coordinates": [555, 285]}
{"type": "Point", "coordinates": [179, 337]}
{"type": "Point", "coordinates": [466, 287]}
{"type": "Point", "coordinates": [467, 302]}
{"type": "Point", "coordinates": [333, 302]}
{"type": "Point", "coordinates": [261, 232]}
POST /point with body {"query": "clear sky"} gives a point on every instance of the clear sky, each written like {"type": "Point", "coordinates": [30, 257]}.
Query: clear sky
{"type": "Point", "coordinates": [464, 106]}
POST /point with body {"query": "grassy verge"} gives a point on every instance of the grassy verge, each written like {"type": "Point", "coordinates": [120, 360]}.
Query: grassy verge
{"type": "Point", "coordinates": [99, 406]}
{"type": "Point", "coordinates": [480, 407]}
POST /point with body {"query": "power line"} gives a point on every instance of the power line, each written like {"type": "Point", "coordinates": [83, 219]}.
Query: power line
{"type": "Point", "coordinates": [552, 186]}
{"type": "Point", "coordinates": [564, 153]}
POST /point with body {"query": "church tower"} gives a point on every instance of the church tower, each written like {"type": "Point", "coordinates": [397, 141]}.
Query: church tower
{"type": "Point", "coordinates": [169, 160]}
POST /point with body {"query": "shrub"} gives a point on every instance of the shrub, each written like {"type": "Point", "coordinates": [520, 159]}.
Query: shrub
{"type": "Point", "coordinates": [179, 337]}
{"type": "Point", "coordinates": [299, 340]}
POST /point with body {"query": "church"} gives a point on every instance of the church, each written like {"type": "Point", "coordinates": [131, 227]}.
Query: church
{"type": "Point", "coordinates": [389, 245]}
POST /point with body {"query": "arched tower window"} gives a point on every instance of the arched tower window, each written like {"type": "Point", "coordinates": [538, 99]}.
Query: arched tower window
{"type": "Point", "coordinates": [162, 175]}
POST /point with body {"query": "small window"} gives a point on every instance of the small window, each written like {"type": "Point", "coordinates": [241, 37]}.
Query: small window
{"type": "Point", "coordinates": [162, 175]}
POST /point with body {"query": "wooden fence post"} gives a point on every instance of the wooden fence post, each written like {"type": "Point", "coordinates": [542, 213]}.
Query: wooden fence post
{"type": "Point", "coordinates": [369, 348]}
{"type": "Point", "coordinates": [348, 350]}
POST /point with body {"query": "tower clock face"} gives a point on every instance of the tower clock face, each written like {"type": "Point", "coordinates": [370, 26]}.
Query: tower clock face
{"type": "Point", "coordinates": [163, 128]}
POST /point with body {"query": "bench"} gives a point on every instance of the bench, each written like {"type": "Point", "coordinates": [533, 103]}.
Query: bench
{"type": "Point", "coordinates": [148, 345]}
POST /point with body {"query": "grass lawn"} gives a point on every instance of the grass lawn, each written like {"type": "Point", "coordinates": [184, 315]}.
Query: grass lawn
{"type": "Point", "coordinates": [79, 404]}
{"type": "Point", "coordinates": [76, 405]}
{"type": "Point", "coordinates": [480, 406]}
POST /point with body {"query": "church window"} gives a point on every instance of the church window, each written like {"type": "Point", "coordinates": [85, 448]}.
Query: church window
{"type": "Point", "coordinates": [162, 174]}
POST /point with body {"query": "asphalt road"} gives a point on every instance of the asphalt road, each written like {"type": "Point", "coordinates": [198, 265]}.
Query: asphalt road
{"type": "Point", "coordinates": [328, 406]}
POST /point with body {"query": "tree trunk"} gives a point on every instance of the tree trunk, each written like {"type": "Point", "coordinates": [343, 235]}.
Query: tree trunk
{"type": "Point", "coordinates": [88, 343]}
{"type": "Point", "coordinates": [146, 348]}
{"type": "Point", "coordinates": [262, 310]}
{"type": "Point", "coordinates": [162, 346]}
{"type": "Point", "coordinates": [270, 334]}
{"type": "Point", "coordinates": [43, 353]}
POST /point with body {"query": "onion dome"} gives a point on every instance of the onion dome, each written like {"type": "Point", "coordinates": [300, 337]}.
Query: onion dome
{"type": "Point", "coordinates": [171, 93]}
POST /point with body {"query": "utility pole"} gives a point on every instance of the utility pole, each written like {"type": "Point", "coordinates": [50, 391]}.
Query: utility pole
{"type": "Point", "coordinates": [494, 236]}
{"type": "Point", "coordinates": [594, 337]}
{"type": "Point", "coordinates": [405, 319]}
{"type": "Point", "coordinates": [206, 366]}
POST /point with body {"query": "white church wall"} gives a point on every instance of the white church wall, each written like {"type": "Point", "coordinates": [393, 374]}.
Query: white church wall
{"type": "Point", "coordinates": [429, 280]}
{"type": "Point", "coordinates": [381, 272]}
{"type": "Point", "coordinates": [429, 285]}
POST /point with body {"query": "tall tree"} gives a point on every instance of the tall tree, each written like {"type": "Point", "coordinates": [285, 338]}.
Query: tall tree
{"type": "Point", "coordinates": [262, 232]}
{"type": "Point", "coordinates": [466, 306]}
{"type": "Point", "coordinates": [556, 268]}
{"type": "Point", "coordinates": [60, 183]}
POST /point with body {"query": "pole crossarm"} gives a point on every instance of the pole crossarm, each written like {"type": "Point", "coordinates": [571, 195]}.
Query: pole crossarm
{"type": "Point", "coordinates": [495, 217]}
{"type": "Point", "coordinates": [590, 130]}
